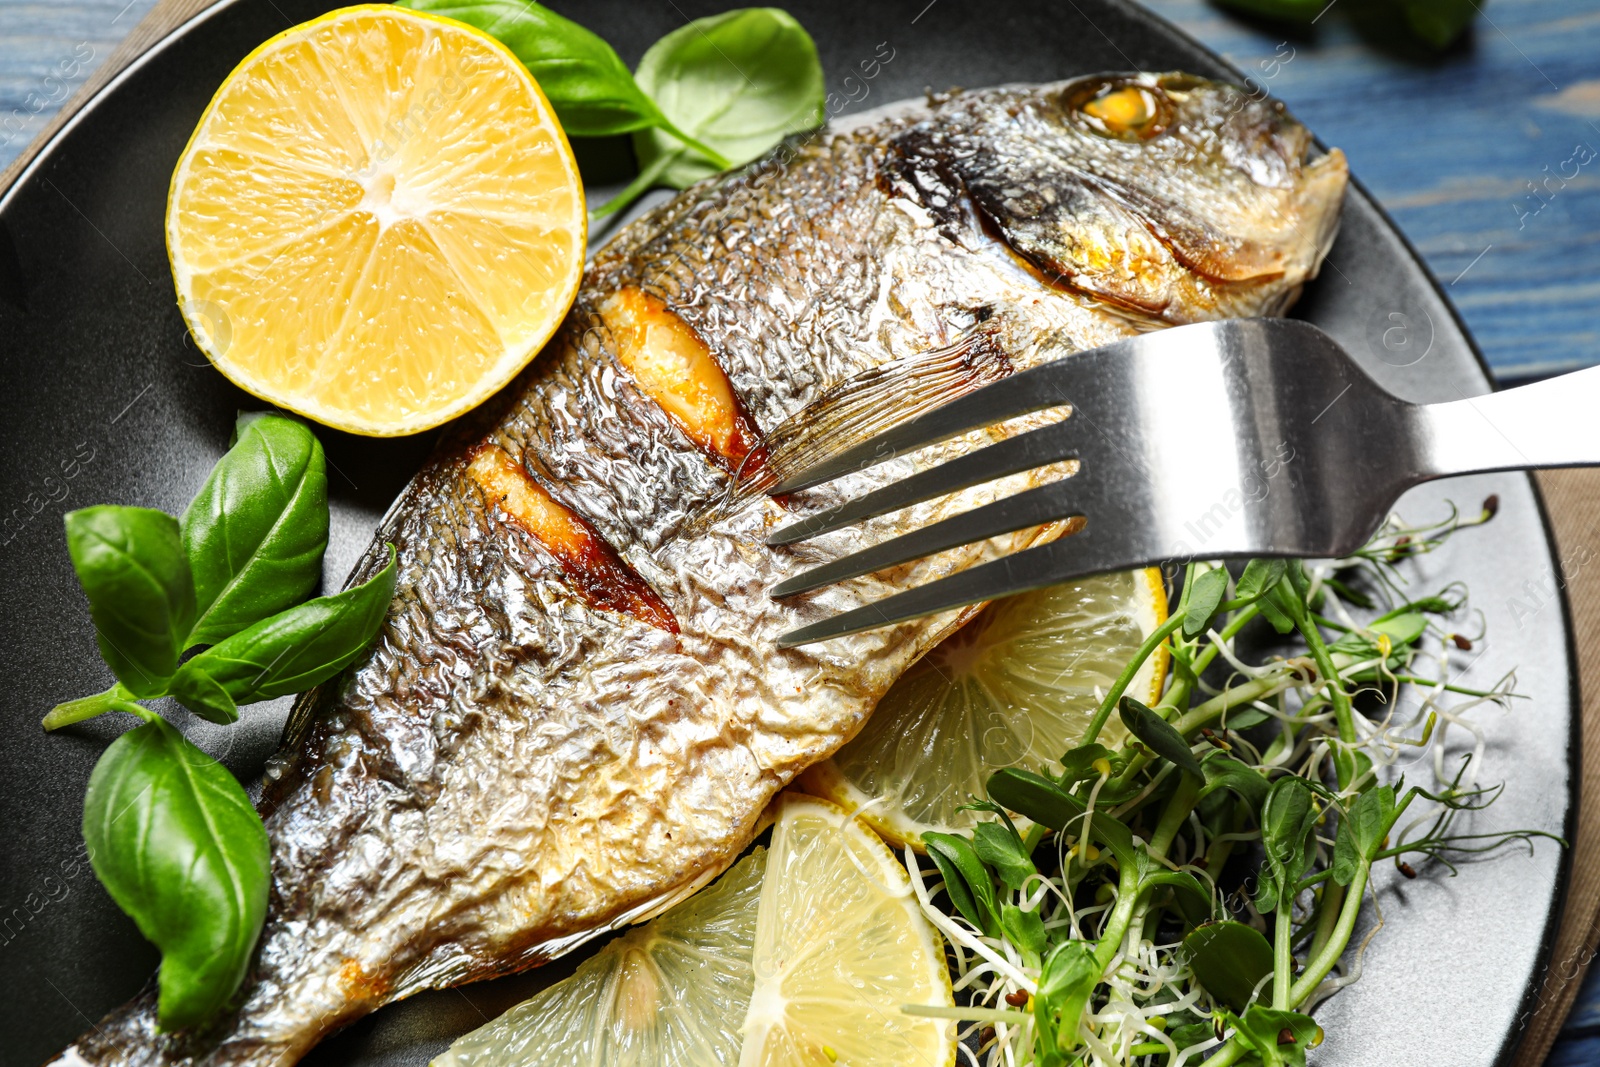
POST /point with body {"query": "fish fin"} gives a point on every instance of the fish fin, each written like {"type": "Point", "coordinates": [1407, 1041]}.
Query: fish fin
{"type": "Point", "coordinates": [310, 705]}
{"type": "Point", "coordinates": [305, 710]}
{"type": "Point", "coordinates": [866, 405]}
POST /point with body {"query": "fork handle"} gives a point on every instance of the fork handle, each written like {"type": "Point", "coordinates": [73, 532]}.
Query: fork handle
{"type": "Point", "coordinates": [1552, 423]}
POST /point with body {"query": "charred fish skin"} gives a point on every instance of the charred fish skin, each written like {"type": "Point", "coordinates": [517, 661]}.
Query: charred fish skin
{"type": "Point", "coordinates": [576, 711]}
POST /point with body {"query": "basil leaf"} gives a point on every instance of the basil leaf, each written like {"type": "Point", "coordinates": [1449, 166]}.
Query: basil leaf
{"type": "Point", "coordinates": [586, 83]}
{"type": "Point", "coordinates": [204, 695]}
{"type": "Point", "coordinates": [288, 653]}
{"type": "Point", "coordinates": [1230, 959]}
{"type": "Point", "coordinates": [966, 880]}
{"type": "Point", "coordinates": [1203, 599]}
{"type": "Point", "coordinates": [1001, 848]}
{"type": "Point", "coordinates": [1159, 735]}
{"type": "Point", "coordinates": [256, 531]}
{"type": "Point", "coordinates": [739, 83]}
{"type": "Point", "coordinates": [130, 563]}
{"type": "Point", "coordinates": [173, 838]}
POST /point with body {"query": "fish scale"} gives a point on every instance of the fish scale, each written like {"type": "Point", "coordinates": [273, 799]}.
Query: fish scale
{"type": "Point", "coordinates": [512, 769]}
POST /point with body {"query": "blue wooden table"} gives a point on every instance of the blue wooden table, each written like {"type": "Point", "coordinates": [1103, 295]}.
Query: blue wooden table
{"type": "Point", "coordinates": [1488, 157]}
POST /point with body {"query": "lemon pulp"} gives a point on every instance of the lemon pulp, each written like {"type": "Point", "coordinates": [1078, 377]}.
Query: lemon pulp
{"type": "Point", "coordinates": [1016, 687]}
{"type": "Point", "coordinates": [377, 222]}
{"type": "Point", "coordinates": [671, 991]}
{"type": "Point", "coordinates": [841, 945]}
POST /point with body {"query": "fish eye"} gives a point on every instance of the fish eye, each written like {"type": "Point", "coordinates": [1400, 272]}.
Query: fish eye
{"type": "Point", "coordinates": [1128, 112]}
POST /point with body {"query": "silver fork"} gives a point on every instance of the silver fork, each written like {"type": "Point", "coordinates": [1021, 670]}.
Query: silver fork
{"type": "Point", "coordinates": [1317, 456]}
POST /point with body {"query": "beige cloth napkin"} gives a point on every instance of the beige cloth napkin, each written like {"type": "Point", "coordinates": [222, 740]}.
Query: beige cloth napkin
{"type": "Point", "coordinates": [1573, 500]}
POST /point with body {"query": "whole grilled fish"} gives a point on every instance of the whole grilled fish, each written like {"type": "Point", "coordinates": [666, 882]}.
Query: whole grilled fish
{"type": "Point", "coordinates": [576, 710]}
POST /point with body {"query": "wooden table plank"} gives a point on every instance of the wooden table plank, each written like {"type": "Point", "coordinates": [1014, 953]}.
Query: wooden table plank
{"type": "Point", "coordinates": [47, 52]}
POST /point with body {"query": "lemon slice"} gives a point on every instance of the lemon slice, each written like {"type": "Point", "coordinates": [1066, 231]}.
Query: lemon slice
{"type": "Point", "coordinates": [807, 967]}
{"type": "Point", "coordinates": [1014, 687]}
{"type": "Point", "coordinates": [841, 945]}
{"type": "Point", "coordinates": [377, 222]}
{"type": "Point", "coordinates": [670, 992]}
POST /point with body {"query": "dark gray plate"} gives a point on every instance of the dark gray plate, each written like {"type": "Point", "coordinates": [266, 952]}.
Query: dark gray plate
{"type": "Point", "coordinates": [104, 399]}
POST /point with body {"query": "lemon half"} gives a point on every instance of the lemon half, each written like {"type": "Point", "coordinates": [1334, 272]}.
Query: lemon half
{"type": "Point", "coordinates": [377, 222]}
{"type": "Point", "coordinates": [1016, 687]}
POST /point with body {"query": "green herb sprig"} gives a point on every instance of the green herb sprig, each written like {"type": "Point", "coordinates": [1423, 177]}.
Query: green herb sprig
{"type": "Point", "coordinates": [170, 832]}
{"type": "Point", "coordinates": [713, 94]}
{"type": "Point", "coordinates": [1127, 937]}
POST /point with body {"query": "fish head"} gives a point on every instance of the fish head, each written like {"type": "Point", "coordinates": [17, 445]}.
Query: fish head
{"type": "Point", "coordinates": [1165, 195]}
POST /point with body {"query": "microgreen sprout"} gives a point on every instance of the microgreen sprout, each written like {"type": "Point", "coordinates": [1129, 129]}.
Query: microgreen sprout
{"type": "Point", "coordinates": [1191, 894]}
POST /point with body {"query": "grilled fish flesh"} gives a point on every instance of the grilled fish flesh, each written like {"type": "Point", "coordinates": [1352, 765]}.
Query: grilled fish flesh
{"type": "Point", "coordinates": [576, 711]}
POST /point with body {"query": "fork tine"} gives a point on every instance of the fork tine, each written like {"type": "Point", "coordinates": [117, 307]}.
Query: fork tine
{"type": "Point", "coordinates": [1048, 444]}
{"type": "Point", "coordinates": [1034, 507]}
{"type": "Point", "coordinates": [1033, 568]}
{"type": "Point", "coordinates": [1034, 389]}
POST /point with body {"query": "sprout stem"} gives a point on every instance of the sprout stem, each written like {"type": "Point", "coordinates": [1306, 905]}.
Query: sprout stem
{"type": "Point", "coordinates": [1321, 963]}
{"type": "Point", "coordinates": [1172, 818]}
{"type": "Point", "coordinates": [1341, 700]}
{"type": "Point", "coordinates": [977, 1015]}
{"type": "Point", "coordinates": [1229, 632]}
{"type": "Point", "coordinates": [1283, 959]}
{"type": "Point", "coordinates": [1257, 689]}
{"type": "Point", "coordinates": [1332, 903]}
{"type": "Point", "coordinates": [1125, 679]}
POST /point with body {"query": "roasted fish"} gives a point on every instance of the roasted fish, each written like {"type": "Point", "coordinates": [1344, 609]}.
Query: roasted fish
{"type": "Point", "coordinates": [576, 711]}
